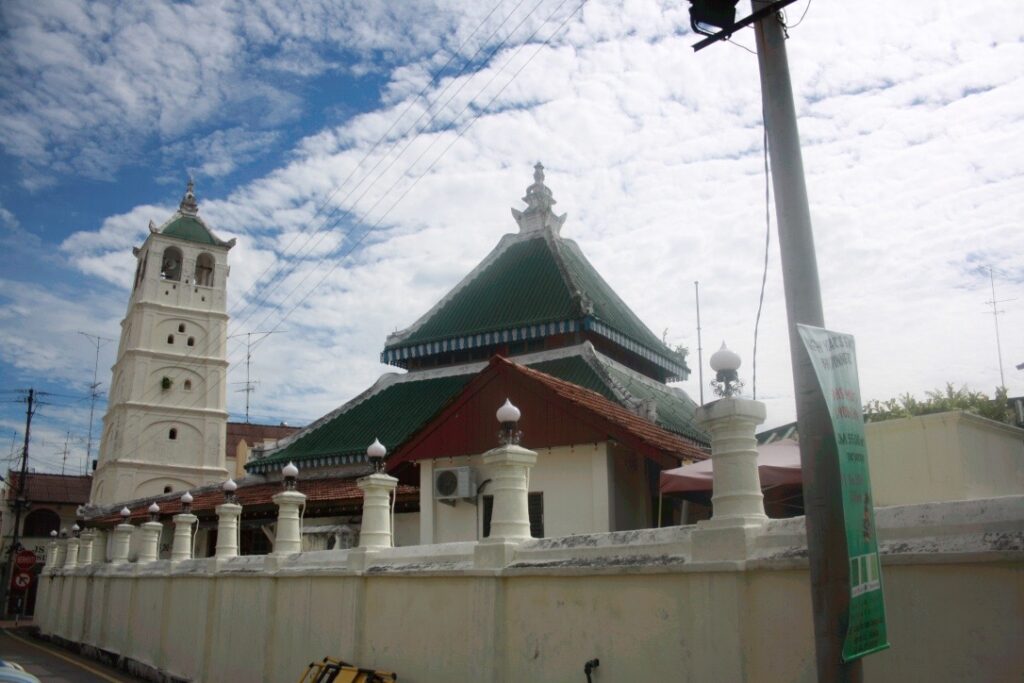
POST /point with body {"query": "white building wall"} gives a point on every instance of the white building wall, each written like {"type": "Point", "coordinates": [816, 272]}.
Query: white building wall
{"type": "Point", "coordinates": [946, 456]}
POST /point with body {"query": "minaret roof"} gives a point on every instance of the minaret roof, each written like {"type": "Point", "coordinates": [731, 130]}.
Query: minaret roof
{"type": "Point", "coordinates": [186, 224]}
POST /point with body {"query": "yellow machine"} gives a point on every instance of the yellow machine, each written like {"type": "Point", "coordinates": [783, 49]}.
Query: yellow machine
{"type": "Point", "coordinates": [332, 670]}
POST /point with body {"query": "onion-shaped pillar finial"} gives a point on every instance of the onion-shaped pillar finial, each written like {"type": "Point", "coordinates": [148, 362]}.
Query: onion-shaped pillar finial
{"type": "Point", "coordinates": [291, 475]}
{"type": "Point", "coordinates": [508, 415]}
{"type": "Point", "coordinates": [376, 453]}
{"type": "Point", "coordinates": [154, 512]}
{"type": "Point", "coordinates": [186, 502]}
{"type": "Point", "coordinates": [229, 487]}
{"type": "Point", "coordinates": [725, 362]}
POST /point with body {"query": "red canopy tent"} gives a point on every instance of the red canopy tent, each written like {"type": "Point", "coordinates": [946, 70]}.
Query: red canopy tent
{"type": "Point", "coordinates": [777, 463]}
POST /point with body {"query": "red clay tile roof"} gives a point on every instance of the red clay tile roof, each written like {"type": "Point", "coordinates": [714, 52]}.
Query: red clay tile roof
{"type": "Point", "coordinates": [645, 430]}
{"type": "Point", "coordinates": [329, 489]}
{"type": "Point", "coordinates": [52, 488]}
{"type": "Point", "coordinates": [254, 434]}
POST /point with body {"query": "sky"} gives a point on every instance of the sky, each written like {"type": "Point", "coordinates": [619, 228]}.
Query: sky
{"type": "Point", "coordinates": [366, 154]}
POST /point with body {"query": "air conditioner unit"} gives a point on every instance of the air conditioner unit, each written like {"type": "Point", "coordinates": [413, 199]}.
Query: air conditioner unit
{"type": "Point", "coordinates": [452, 483]}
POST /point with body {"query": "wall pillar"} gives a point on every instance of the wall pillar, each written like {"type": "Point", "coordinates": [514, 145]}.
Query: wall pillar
{"type": "Point", "coordinates": [510, 514]}
{"type": "Point", "coordinates": [51, 555]}
{"type": "Point", "coordinates": [227, 530]}
{"type": "Point", "coordinates": [85, 547]}
{"type": "Point", "coordinates": [71, 553]}
{"type": "Point", "coordinates": [181, 548]}
{"type": "Point", "coordinates": [376, 531]}
{"type": "Point", "coordinates": [737, 501]}
{"type": "Point", "coordinates": [121, 543]}
{"type": "Point", "coordinates": [60, 553]}
{"type": "Point", "coordinates": [288, 538]}
{"type": "Point", "coordinates": [149, 541]}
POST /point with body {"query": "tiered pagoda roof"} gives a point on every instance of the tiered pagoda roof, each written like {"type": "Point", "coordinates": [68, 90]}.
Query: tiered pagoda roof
{"type": "Point", "coordinates": [535, 290]}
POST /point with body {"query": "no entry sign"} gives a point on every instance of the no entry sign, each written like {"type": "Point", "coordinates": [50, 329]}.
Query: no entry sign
{"type": "Point", "coordinates": [25, 560]}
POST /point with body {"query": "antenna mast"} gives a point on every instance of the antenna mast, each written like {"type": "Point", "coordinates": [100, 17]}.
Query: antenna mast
{"type": "Point", "coordinates": [97, 341]}
{"type": "Point", "coordinates": [250, 386]}
{"type": "Point", "coordinates": [995, 317]}
{"type": "Point", "coordinates": [700, 349]}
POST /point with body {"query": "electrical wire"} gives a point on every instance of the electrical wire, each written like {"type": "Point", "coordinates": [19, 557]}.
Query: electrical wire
{"type": "Point", "coordinates": [342, 256]}
{"type": "Point", "coordinates": [767, 242]}
{"type": "Point", "coordinates": [800, 20]}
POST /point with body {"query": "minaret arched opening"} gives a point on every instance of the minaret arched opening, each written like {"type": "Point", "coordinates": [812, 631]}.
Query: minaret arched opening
{"type": "Point", "coordinates": [170, 266]}
{"type": "Point", "coordinates": [204, 270]}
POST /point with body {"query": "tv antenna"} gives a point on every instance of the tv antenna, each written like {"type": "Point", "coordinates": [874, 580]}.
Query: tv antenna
{"type": "Point", "coordinates": [94, 393]}
{"type": "Point", "coordinates": [995, 317]}
{"type": "Point", "coordinates": [250, 386]}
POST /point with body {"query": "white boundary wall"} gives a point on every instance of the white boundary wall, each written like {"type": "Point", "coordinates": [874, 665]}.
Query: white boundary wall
{"type": "Point", "coordinates": [637, 600]}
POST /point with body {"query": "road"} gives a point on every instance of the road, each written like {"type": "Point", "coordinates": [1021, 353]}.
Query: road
{"type": "Point", "coordinates": [55, 665]}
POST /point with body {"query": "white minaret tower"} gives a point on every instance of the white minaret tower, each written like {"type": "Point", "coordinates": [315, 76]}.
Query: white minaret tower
{"type": "Point", "coordinates": [166, 417]}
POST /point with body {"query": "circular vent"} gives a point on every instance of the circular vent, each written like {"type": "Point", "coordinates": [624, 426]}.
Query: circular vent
{"type": "Point", "coordinates": [447, 482]}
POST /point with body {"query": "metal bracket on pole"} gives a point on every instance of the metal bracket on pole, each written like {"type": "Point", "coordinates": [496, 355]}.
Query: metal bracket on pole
{"type": "Point", "coordinates": [726, 33]}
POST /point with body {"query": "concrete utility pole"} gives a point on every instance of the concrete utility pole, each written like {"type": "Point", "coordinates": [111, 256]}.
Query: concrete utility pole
{"type": "Point", "coordinates": [826, 535]}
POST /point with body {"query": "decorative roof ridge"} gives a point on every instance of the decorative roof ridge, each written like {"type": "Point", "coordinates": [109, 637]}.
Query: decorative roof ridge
{"type": "Point", "coordinates": [640, 377]}
{"type": "Point", "coordinates": [595, 360]}
{"type": "Point", "coordinates": [583, 305]}
{"type": "Point", "coordinates": [506, 241]}
{"type": "Point", "coordinates": [538, 216]}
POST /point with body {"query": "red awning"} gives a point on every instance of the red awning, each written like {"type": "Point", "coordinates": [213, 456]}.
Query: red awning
{"type": "Point", "coordinates": [777, 463]}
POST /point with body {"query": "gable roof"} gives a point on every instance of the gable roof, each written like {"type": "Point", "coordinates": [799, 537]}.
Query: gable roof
{"type": "Point", "coordinates": [570, 414]}
{"type": "Point", "coordinates": [51, 488]}
{"type": "Point", "coordinates": [254, 434]}
{"type": "Point", "coordinates": [397, 406]}
{"type": "Point", "coordinates": [534, 284]}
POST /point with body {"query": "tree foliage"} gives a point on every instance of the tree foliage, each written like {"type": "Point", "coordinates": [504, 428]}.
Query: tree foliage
{"type": "Point", "coordinates": [943, 400]}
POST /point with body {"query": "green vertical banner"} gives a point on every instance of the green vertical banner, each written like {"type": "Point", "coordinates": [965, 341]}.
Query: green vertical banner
{"type": "Point", "coordinates": [835, 364]}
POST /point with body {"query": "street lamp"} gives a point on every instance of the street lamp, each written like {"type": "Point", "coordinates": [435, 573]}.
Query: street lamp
{"type": "Point", "coordinates": [720, 13]}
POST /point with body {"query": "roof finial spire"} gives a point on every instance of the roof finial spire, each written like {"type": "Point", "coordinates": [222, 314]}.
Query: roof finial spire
{"type": "Point", "coordinates": [188, 205]}
{"type": "Point", "coordinates": [539, 201]}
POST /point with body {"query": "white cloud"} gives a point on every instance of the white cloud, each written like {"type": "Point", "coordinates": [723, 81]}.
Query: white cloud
{"type": "Point", "coordinates": [913, 171]}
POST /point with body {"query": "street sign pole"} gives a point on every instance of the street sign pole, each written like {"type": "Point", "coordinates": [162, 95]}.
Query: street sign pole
{"type": "Point", "coordinates": [826, 542]}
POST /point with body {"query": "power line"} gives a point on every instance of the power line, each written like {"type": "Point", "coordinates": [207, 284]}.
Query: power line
{"type": "Point", "coordinates": [344, 254]}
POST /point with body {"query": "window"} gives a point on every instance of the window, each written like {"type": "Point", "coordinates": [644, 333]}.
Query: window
{"type": "Point", "coordinates": [170, 265]}
{"type": "Point", "coordinates": [170, 339]}
{"type": "Point", "coordinates": [168, 489]}
{"type": "Point", "coordinates": [40, 523]}
{"type": "Point", "coordinates": [188, 385]}
{"type": "Point", "coordinates": [535, 504]}
{"type": "Point", "coordinates": [191, 341]}
{"type": "Point", "coordinates": [172, 434]}
{"type": "Point", "coordinates": [181, 327]}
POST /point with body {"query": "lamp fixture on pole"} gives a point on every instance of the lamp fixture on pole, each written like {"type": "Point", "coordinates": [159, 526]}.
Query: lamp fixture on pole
{"type": "Point", "coordinates": [508, 415]}
{"type": "Point", "coordinates": [229, 487]}
{"type": "Point", "coordinates": [725, 362]}
{"type": "Point", "coordinates": [376, 453]}
{"type": "Point", "coordinates": [291, 474]}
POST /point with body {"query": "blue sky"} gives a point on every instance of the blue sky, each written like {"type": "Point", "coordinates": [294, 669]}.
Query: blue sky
{"type": "Point", "coordinates": [417, 124]}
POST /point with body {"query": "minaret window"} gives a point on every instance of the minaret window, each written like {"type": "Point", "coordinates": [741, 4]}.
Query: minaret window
{"type": "Point", "coordinates": [204, 270]}
{"type": "Point", "coordinates": [181, 327]}
{"type": "Point", "coordinates": [191, 341]}
{"type": "Point", "coordinates": [172, 434]}
{"type": "Point", "coordinates": [170, 339]}
{"type": "Point", "coordinates": [170, 267]}
{"type": "Point", "coordinates": [168, 489]}
{"type": "Point", "coordinates": [188, 385]}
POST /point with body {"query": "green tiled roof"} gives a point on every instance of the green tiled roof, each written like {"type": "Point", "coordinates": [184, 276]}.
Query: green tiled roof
{"type": "Point", "coordinates": [675, 409]}
{"type": "Point", "coordinates": [189, 228]}
{"type": "Point", "coordinates": [530, 286]}
{"type": "Point", "coordinates": [391, 415]}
